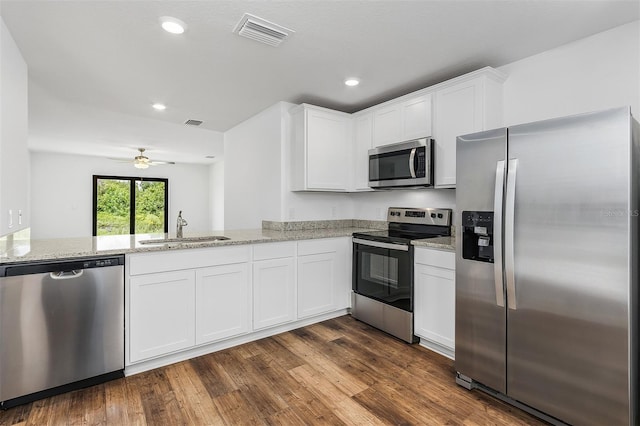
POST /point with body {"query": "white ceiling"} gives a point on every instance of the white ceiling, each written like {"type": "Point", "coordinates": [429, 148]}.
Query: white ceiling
{"type": "Point", "coordinates": [113, 55]}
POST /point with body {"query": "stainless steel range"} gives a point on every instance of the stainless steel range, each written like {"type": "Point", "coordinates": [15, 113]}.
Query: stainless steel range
{"type": "Point", "coordinates": [383, 268]}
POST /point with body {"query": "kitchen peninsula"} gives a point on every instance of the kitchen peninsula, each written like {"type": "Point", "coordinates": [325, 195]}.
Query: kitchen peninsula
{"type": "Point", "coordinates": [188, 299]}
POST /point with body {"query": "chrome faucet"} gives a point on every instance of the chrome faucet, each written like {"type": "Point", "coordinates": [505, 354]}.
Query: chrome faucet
{"type": "Point", "coordinates": [181, 223]}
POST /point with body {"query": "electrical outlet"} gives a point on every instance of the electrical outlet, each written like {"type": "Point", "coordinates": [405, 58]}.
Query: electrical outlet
{"type": "Point", "coordinates": [19, 217]}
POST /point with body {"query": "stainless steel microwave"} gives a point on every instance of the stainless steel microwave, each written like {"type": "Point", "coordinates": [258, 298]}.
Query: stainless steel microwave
{"type": "Point", "coordinates": [402, 165]}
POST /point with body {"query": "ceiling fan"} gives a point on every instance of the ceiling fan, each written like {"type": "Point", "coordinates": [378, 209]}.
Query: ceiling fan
{"type": "Point", "coordinates": [141, 161]}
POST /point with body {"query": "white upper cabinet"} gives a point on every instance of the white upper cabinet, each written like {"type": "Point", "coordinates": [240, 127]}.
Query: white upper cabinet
{"type": "Point", "coordinates": [466, 104]}
{"type": "Point", "coordinates": [402, 120]}
{"type": "Point", "coordinates": [330, 148]}
{"type": "Point", "coordinates": [363, 134]}
{"type": "Point", "coordinates": [416, 118]}
{"type": "Point", "coordinates": [321, 153]}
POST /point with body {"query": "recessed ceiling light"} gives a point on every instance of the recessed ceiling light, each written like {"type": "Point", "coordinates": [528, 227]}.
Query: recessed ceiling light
{"type": "Point", "coordinates": [159, 107]}
{"type": "Point", "coordinates": [352, 82]}
{"type": "Point", "coordinates": [172, 25]}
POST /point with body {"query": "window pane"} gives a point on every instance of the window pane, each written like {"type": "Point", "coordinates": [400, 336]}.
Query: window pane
{"type": "Point", "coordinates": [150, 204]}
{"type": "Point", "coordinates": [113, 209]}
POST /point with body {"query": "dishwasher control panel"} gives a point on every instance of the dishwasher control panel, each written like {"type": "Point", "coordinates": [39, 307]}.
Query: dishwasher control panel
{"type": "Point", "coordinates": [27, 268]}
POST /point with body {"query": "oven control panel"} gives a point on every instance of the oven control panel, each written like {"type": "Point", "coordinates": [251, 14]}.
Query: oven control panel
{"type": "Point", "coordinates": [441, 217]}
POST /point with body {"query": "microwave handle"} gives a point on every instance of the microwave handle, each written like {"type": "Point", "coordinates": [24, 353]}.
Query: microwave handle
{"type": "Point", "coordinates": [412, 165]}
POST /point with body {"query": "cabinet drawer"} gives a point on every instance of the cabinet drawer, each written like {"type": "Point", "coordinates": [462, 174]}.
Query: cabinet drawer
{"type": "Point", "coordinates": [324, 245]}
{"type": "Point", "coordinates": [438, 258]}
{"type": "Point", "coordinates": [274, 250]}
{"type": "Point", "coordinates": [173, 260]}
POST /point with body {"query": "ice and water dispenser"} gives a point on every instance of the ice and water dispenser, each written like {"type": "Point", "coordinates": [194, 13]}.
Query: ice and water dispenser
{"type": "Point", "coordinates": [477, 236]}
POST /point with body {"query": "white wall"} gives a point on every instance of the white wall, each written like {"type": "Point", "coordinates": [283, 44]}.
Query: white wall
{"type": "Point", "coordinates": [374, 205]}
{"type": "Point", "coordinates": [597, 72]}
{"type": "Point", "coordinates": [252, 171]}
{"type": "Point", "coordinates": [14, 155]}
{"type": "Point", "coordinates": [58, 125]}
{"type": "Point", "coordinates": [216, 199]}
{"type": "Point", "coordinates": [62, 191]}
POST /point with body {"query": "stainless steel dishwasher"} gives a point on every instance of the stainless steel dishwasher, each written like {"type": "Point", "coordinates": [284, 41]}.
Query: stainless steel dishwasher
{"type": "Point", "coordinates": [61, 326]}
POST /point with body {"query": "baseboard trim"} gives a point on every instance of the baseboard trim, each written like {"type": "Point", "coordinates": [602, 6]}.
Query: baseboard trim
{"type": "Point", "coordinates": [438, 348]}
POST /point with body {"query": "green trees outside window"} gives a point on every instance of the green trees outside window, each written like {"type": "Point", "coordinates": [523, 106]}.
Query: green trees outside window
{"type": "Point", "coordinates": [113, 198]}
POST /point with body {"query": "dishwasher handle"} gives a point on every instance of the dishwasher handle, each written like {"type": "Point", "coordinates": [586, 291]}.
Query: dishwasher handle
{"type": "Point", "coordinates": [66, 275]}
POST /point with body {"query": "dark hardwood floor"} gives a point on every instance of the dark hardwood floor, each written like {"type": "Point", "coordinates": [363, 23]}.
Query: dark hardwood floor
{"type": "Point", "coordinates": [336, 372]}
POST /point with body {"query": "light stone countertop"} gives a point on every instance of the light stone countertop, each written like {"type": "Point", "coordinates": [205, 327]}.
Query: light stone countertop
{"type": "Point", "coordinates": [440, 243]}
{"type": "Point", "coordinates": [21, 248]}
{"type": "Point", "coordinates": [32, 250]}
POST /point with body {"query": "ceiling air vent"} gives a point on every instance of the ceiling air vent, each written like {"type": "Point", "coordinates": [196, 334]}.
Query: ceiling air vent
{"type": "Point", "coordinates": [193, 122]}
{"type": "Point", "coordinates": [261, 30]}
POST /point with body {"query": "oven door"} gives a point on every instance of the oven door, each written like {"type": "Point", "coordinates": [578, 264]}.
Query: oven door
{"type": "Point", "coordinates": [384, 272]}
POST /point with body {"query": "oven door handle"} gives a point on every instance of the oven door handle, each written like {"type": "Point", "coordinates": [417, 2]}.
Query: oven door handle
{"type": "Point", "coordinates": [379, 244]}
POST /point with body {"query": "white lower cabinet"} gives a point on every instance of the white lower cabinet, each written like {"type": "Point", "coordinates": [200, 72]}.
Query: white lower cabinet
{"type": "Point", "coordinates": [222, 302]}
{"type": "Point", "coordinates": [323, 278]}
{"type": "Point", "coordinates": [161, 318]}
{"type": "Point", "coordinates": [434, 304]}
{"type": "Point", "coordinates": [273, 292]}
{"type": "Point", "coordinates": [187, 299]}
{"type": "Point", "coordinates": [316, 289]}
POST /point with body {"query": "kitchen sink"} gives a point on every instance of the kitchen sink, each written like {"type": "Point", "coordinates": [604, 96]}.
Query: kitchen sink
{"type": "Point", "coordinates": [185, 240]}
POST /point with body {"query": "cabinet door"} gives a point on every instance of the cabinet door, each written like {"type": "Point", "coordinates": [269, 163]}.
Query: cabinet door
{"type": "Point", "coordinates": [316, 284]}
{"type": "Point", "coordinates": [222, 302]}
{"type": "Point", "coordinates": [387, 125]}
{"type": "Point", "coordinates": [328, 146]}
{"type": "Point", "coordinates": [273, 292]}
{"type": "Point", "coordinates": [416, 118]}
{"type": "Point", "coordinates": [162, 313]}
{"type": "Point", "coordinates": [363, 143]}
{"type": "Point", "coordinates": [459, 111]}
{"type": "Point", "coordinates": [434, 307]}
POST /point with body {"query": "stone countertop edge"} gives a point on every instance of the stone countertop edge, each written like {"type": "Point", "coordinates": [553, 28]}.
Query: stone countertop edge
{"type": "Point", "coordinates": [69, 248]}
{"type": "Point", "coordinates": [440, 243]}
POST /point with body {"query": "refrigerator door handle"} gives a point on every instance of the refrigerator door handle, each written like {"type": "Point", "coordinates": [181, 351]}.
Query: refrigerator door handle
{"type": "Point", "coordinates": [497, 234]}
{"type": "Point", "coordinates": [509, 236]}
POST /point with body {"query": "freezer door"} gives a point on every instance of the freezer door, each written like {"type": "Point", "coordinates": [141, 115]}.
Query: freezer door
{"type": "Point", "coordinates": [480, 311]}
{"type": "Point", "coordinates": [567, 268]}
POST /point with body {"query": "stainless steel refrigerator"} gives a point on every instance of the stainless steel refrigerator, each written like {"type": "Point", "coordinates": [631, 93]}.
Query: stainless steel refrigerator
{"type": "Point", "coordinates": [547, 266]}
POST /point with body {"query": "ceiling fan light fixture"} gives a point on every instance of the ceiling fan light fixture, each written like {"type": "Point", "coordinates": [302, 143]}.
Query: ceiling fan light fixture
{"type": "Point", "coordinates": [140, 165]}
